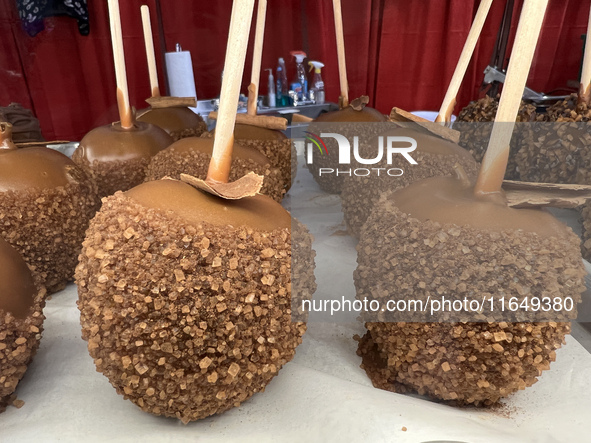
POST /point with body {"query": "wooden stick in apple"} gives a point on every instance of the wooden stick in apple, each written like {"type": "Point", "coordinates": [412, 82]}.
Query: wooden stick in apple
{"type": "Point", "coordinates": [585, 87]}
{"type": "Point", "coordinates": [449, 102]}
{"type": "Point", "coordinates": [257, 56]}
{"type": "Point", "coordinates": [338, 24]}
{"type": "Point", "coordinates": [221, 159]}
{"type": "Point", "coordinates": [494, 163]}
{"type": "Point", "coordinates": [149, 42]}
{"type": "Point", "coordinates": [125, 114]}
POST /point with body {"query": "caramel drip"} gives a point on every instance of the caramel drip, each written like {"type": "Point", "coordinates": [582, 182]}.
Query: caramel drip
{"type": "Point", "coordinates": [220, 165]}
{"type": "Point", "coordinates": [491, 179]}
{"type": "Point", "coordinates": [251, 106]}
{"type": "Point", "coordinates": [446, 117]}
{"type": "Point", "coordinates": [6, 142]}
{"type": "Point", "coordinates": [584, 95]}
{"type": "Point", "coordinates": [125, 113]}
{"type": "Point", "coordinates": [451, 200]}
{"type": "Point", "coordinates": [258, 212]}
{"type": "Point", "coordinates": [17, 287]}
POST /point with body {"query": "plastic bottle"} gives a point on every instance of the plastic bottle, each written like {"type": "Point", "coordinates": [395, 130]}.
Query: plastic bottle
{"type": "Point", "coordinates": [282, 87]}
{"type": "Point", "coordinates": [271, 89]}
{"type": "Point", "coordinates": [300, 83]}
{"type": "Point", "coordinates": [317, 83]}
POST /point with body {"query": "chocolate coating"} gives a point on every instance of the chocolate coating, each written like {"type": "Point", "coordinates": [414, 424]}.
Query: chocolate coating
{"type": "Point", "coordinates": [116, 158]}
{"type": "Point", "coordinates": [192, 156]}
{"type": "Point", "coordinates": [17, 287]}
{"type": "Point", "coordinates": [46, 202]}
{"type": "Point", "coordinates": [113, 143]}
{"type": "Point", "coordinates": [249, 132]}
{"type": "Point", "coordinates": [449, 201]}
{"type": "Point", "coordinates": [197, 320]}
{"type": "Point", "coordinates": [179, 122]}
{"type": "Point", "coordinates": [348, 114]}
{"type": "Point", "coordinates": [435, 157]}
{"type": "Point", "coordinates": [195, 206]}
{"type": "Point", "coordinates": [21, 320]}
{"type": "Point", "coordinates": [423, 252]}
{"type": "Point", "coordinates": [39, 168]}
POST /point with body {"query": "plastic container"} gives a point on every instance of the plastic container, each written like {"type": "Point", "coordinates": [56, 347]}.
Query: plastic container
{"type": "Point", "coordinates": [317, 83]}
{"type": "Point", "coordinates": [300, 82]}
{"type": "Point", "coordinates": [271, 101]}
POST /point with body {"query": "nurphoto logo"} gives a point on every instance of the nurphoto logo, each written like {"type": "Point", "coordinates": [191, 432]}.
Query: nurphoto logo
{"type": "Point", "coordinates": [390, 145]}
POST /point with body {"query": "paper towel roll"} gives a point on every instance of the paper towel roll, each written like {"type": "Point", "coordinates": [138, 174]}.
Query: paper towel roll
{"type": "Point", "coordinates": [181, 81]}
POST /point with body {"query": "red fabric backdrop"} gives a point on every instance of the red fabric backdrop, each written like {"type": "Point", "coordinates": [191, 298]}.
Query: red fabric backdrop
{"type": "Point", "coordinates": [399, 52]}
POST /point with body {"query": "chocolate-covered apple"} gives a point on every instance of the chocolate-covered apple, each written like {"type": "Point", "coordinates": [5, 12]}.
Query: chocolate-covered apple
{"type": "Point", "coordinates": [46, 203]}
{"type": "Point", "coordinates": [434, 238]}
{"type": "Point", "coordinates": [200, 318]}
{"type": "Point", "coordinates": [21, 320]}
{"type": "Point", "coordinates": [116, 157]}
{"type": "Point", "coordinates": [448, 237]}
{"type": "Point", "coordinates": [186, 295]}
{"type": "Point", "coordinates": [192, 156]}
{"type": "Point", "coordinates": [558, 149]}
{"type": "Point", "coordinates": [434, 157]}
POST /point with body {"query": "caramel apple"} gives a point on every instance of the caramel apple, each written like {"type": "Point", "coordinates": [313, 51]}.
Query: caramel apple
{"type": "Point", "coordinates": [192, 156]}
{"type": "Point", "coordinates": [450, 237]}
{"type": "Point", "coordinates": [475, 125]}
{"type": "Point", "coordinates": [186, 297]}
{"type": "Point", "coordinates": [558, 148]}
{"type": "Point", "coordinates": [434, 157]}
{"type": "Point", "coordinates": [21, 320]}
{"type": "Point", "coordinates": [463, 245]}
{"type": "Point", "coordinates": [349, 122]}
{"type": "Point", "coordinates": [116, 158]}
{"type": "Point", "coordinates": [558, 151]}
{"type": "Point", "coordinates": [200, 317]}
{"type": "Point", "coordinates": [46, 203]}
{"type": "Point", "coordinates": [178, 122]}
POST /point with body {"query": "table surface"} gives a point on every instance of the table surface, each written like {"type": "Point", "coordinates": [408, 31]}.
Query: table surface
{"type": "Point", "coordinates": [321, 396]}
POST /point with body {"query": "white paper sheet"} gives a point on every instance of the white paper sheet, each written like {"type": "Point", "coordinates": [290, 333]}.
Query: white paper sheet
{"type": "Point", "coordinates": [321, 396]}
